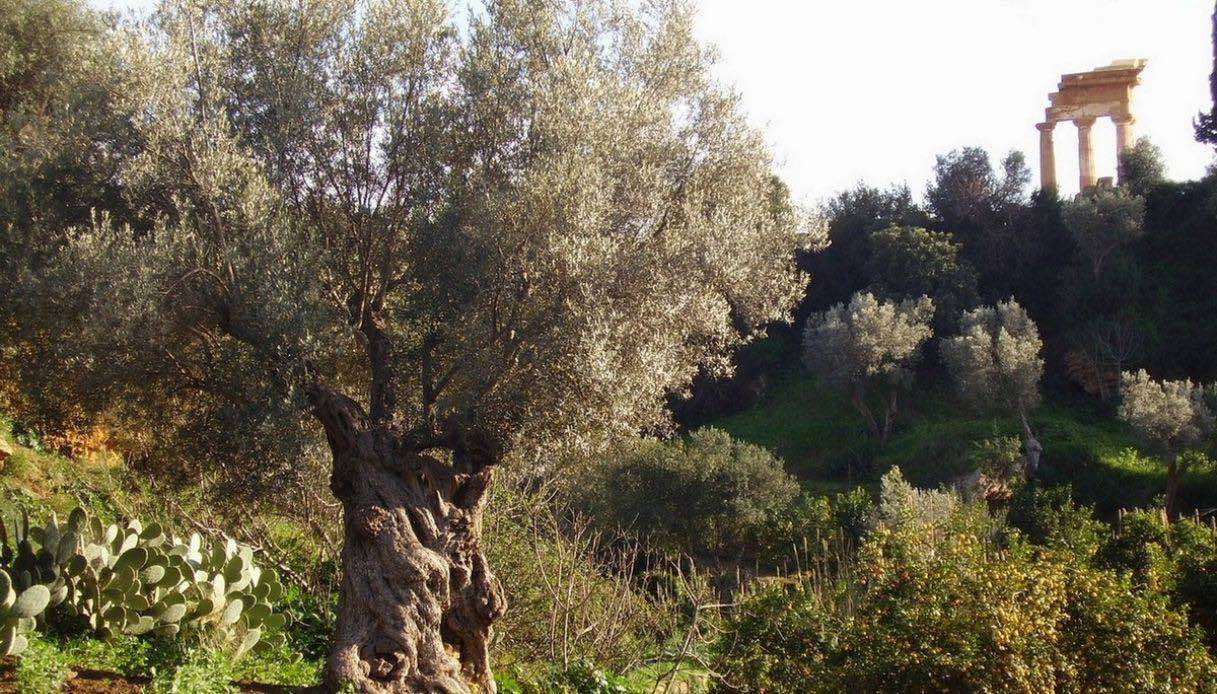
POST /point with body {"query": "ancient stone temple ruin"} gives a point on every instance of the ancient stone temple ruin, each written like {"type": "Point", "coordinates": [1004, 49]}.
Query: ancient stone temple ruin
{"type": "Point", "coordinates": [1084, 97]}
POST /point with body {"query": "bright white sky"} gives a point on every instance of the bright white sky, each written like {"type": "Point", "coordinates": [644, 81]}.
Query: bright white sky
{"type": "Point", "coordinates": [871, 90]}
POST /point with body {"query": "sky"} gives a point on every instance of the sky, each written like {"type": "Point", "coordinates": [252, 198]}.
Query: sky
{"type": "Point", "coordinates": [852, 90]}
{"type": "Point", "coordinates": [872, 90]}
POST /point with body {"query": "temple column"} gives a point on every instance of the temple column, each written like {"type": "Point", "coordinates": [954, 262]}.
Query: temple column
{"type": "Point", "coordinates": [1047, 156]}
{"type": "Point", "coordinates": [1125, 138]}
{"type": "Point", "coordinates": [1085, 152]}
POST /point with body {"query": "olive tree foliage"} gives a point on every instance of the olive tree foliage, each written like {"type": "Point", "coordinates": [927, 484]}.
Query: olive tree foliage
{"type": "Point", "coordinates": [995, 362]}
{"type": "Point", "coordinates": [1102, 221]}
{"type": "Point", "coordinates": [869, 347]}
{"type": "Point", "coordinates": [1171, 416]}
{"type": "Point", "coordinates": [434, 246]}
{"type": "Point", "coordinates": [63, 137]}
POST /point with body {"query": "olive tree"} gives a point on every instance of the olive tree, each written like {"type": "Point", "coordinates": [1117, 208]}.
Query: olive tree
{"type": "Point", "coordinates": [63, 136]}
{"type": "Point", "coordinates": [995, 362]}
{"type": "Point", "coordinates": [437, 245]}
{"type": "Point", "coordinates": [869, 347]}
{"type": "Point", "coordinates": [1102, 221]}
{"type": "Point", "coordinates": [1171, 416]}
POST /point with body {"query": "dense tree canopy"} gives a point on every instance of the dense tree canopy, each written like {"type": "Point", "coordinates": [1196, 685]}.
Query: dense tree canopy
{"type": "Point", "coordinates": [968, 195]}
{"type": "Point", "coordinates": [1142, 167]}
{"type": "Point", "coordinates": [318, 202]}
{"type": "Point", "coordinates": [854, 216]}
{"type": "Point", "coordinates": [908, 262]}
{"type": "Point", "coordinates": [64, 135]}
{"type": "Point", "coordinates": [1102, 221]}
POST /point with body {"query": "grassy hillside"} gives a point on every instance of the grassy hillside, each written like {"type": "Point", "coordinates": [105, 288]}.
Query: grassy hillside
{"type": "Point", "coordinates": [824, 443]}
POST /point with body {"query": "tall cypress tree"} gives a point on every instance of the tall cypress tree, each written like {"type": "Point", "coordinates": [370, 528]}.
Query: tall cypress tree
{"type": "Point", "coordinates": [1206, 124]}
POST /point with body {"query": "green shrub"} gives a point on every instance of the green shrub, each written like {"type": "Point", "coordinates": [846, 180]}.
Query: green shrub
{"type": "Point", "coordinates": [708, 496]}
{"type": "Point", "coordinates": [903, 506]}
{"type": "Point", "coordinates": [781, 640]}
{"type": "Point", "coordinates": [999, 458]}
{"type": "Point", "coordinates": [1120, 638]}
{"type": "Point", "coordinates": [1178, 559]}
{"type": "Point", "coordinates": [582, 677]}
{"type": "Point", "coordinates": [1137, 546]}
{"type": "Point", "coordinates": [42, 668]}
{"type": "Point", "coordinates": [957, 611]}
{"type": "Point", "coordinates": [1049, 516]}
{"type": "Point", "coordinates": [960, 618]}
{"type": "Point", "coordinates": [816, 523]}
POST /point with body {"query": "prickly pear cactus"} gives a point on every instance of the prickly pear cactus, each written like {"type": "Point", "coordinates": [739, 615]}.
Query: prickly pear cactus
{"type": "Point", "coordinates": [132, 579]}
{"type": "Point", "coordinates": [19, 611]}
{"type": "Point", "coordinates": [236, 596]}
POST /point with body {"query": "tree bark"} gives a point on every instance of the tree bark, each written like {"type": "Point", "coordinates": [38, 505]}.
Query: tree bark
{"type": "Point", "coordinates": [1173, 481]}
{"type": "Point", "coordinates": [418, 598]}
{"type": "Point", "coordinates": [889, 416]}
{"type": "Point", "coordinates": [859, 400]}
{"type": "Point", "coordinates": [1032, 449]}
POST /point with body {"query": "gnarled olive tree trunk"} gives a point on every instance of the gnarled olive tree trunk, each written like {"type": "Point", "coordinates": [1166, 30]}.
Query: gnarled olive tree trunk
{"type": "Point", "coordinates": [418, 598]}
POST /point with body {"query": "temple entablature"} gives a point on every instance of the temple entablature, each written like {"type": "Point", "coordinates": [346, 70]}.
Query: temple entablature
{"type": "Point", "coordinates": [1082, 98]}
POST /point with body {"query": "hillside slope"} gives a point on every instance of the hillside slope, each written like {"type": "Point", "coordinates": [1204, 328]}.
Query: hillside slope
{"type": "Point", "coordinates": [824, 443]}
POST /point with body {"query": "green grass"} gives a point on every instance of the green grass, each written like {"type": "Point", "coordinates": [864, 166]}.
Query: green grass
{"type": "Point", "coordinates": [825, 444]}
{"type": "Point", "coordinates": [819, 434]}
{"type": "Point", "coordinates": [167, 665]}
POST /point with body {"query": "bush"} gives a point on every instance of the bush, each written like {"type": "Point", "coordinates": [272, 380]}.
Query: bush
{"type": "Point", "coordinates": [1118, 638]}
{"type": "Point", "coordinates": [782, 639]}
{"type": "Point", "coordinates": [816, 525]}
{"type": "Point", "coordinates": [1048, 516]}
{"type": "Point", "coordinates": [960, 612]}
{"type": "Point", "coordinates": [709, 496]}
{"type": "Point", "coordinates": [903, 506]}
{"type": "Point", "coordinates": [580, 678]}
{"type": "Point", "coordinates": [1178, 559]}
{"type": "Point", "coordinates": [999, 458]}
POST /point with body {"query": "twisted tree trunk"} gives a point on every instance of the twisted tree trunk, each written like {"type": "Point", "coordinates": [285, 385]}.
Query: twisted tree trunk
{"type": "Point", "coordinates": [418, 598]}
